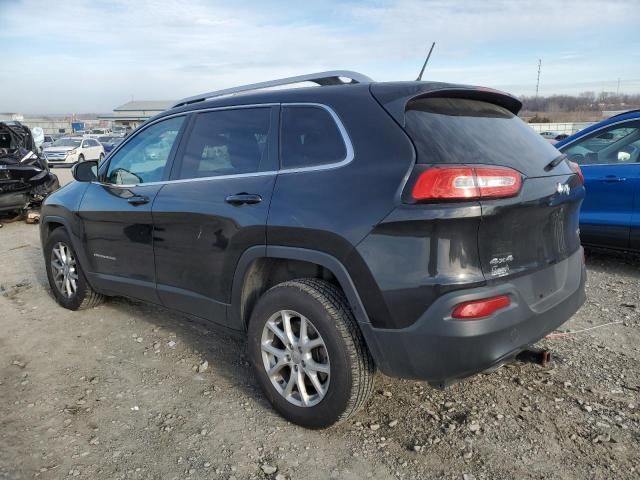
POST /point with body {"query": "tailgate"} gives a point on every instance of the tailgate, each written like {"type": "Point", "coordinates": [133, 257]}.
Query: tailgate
{"type": "Point", "coordinates": [521, 234]}
{"type": "Point", "coordinates": [537, 228]}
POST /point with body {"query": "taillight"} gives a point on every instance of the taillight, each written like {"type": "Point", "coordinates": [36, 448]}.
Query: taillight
{"type": "Point", "coordinates": [480, 308]}
{"type": "Point", "coordinates": [578, 171]}
{"type": "Point", "coordinates": [463, 183]}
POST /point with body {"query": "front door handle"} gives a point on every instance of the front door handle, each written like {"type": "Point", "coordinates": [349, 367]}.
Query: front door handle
{"type": "Point", "coordinates": [243, 199]}
{"type": "Point", "coordinates": [612, 179]}
{"type": "Point", "coordinates": [138, 200]}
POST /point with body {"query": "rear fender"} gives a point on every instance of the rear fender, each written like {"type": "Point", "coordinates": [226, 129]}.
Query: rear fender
{"type": "Point", "coordinates": [325, 260]}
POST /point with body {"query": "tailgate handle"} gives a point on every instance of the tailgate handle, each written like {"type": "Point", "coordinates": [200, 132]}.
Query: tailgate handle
{"type": "Point", "coordinates": [138, 200]}
{"type": "Point", "coordinates": [243, 199]}
{"type": "Point", "coordinates": [612, 178]}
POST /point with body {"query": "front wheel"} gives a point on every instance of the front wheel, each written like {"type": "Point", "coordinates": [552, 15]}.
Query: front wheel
{"type": "Point", "coordinates": [101, 158]}
{"type": "Point", "coordinates": [66, 278]}
{"type": "Point", "coordinates": [308, 353]}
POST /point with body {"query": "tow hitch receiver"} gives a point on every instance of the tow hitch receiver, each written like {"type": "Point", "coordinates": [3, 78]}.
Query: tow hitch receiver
{"type": "Point", "coordinates": [535, 355]}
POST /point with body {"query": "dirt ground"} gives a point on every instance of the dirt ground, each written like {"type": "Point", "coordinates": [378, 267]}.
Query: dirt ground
{"type": "Point", "coordinates": [115, 393]}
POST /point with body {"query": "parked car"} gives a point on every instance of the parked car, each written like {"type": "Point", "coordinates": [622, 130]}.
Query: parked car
{"type": "Point", "coordinates": [70, 150]}
{"type": "Point", "coordinates": [25, 179]}
{"type": "Point", "coordinates": [48, 141]}
{"type": "Point", "coordinates": [417, 228]}
{"type": "Point", "coordinates": [109, 143]}
{"type": "Point", "coordinates": [548, 135]}
{"type": "Point", "coordinates": [609, 155]}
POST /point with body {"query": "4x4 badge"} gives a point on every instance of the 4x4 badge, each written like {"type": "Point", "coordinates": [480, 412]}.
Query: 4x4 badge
{"type": "Point", "coordinates": [563, 188]}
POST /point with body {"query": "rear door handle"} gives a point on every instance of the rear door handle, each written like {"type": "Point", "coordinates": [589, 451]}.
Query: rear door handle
{"type": "Point", "coordinates": [138, 200]}
{"type": "Point", "coordinates": [243, 199]}
{"type": "Point", "coordinates": [612, 179]}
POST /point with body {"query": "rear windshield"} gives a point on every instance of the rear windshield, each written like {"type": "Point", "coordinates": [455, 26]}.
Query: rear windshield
{"type": "Point", "coordinates": [456, 130]}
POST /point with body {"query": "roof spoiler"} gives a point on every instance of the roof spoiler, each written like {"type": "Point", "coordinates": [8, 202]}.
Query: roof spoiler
{"type": "Point", "coordinates": [394, 97]}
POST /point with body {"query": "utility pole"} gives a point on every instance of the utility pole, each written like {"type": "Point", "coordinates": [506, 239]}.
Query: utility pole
{"type": "Point", "coordinates": [538, 81]}
{"type": "Point", "coordinates": [618, 89]}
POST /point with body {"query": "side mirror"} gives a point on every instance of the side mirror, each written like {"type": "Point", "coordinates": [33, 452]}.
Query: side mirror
{"type": "Point", "coordinates": [85, 171]}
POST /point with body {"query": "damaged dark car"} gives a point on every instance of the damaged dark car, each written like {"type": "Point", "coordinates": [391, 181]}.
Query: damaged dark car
{"type": "Point", "coordinates": [25, 179]}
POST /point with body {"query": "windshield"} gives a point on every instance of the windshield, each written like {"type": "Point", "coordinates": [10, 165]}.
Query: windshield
{"type": "Point", "coordinates": [66, 142]}
{"type": "Point", "coordinates": [457, 130]}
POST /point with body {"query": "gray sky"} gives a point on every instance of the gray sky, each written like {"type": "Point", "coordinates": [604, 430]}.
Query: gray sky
{"type": "Point", "coordinates": [90, 56]}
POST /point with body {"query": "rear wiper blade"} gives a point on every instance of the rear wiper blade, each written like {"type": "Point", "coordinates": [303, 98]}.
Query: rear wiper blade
{"type": "Point", "coordinates": [555, 162]}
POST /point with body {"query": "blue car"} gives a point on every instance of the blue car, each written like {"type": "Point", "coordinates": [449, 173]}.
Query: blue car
{"type": "Point", "coordinates": [109, 143]}
{"type": "Point", "coordinates": [609, 155]}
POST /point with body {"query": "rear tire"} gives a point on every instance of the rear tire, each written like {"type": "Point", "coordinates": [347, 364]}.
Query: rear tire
{"type": "Point", "coordinates": [66, 278]}
{"type": "Point", "coordinates": [337, 378]}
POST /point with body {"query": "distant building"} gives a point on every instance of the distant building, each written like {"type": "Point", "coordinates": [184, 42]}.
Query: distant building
{"type": "Point", "coordinates": [133, 113]}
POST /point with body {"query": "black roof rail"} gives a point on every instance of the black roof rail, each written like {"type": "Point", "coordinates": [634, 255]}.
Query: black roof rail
{"type": "Point", "coordinates": [332, 77]}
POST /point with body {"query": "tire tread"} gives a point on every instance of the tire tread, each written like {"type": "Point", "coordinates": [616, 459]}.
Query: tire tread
{"type": "Point", "coordinates": [362, 366]}
{"type": "Point", "coordinates": [90, 298]}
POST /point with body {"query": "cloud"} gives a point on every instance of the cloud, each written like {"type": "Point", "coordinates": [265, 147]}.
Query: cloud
{"type": "Point", "coordinates": [92, 56]}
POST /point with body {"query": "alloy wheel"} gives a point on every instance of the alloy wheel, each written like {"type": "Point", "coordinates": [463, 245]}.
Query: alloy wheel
{"type": "Point", "coordinates": [295, 358]}
{"type": "Point", "coordinates": [64, 269]}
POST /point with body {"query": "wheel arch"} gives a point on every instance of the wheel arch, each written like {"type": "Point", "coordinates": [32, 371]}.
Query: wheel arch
{"type": "Point", "coordinates": [50, 223]}
{"type": "Point", "coordinates": [260, 262]}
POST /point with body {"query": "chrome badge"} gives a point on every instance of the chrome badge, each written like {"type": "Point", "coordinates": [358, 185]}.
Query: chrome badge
{"type": "Point", "coordinates": [500, 265]}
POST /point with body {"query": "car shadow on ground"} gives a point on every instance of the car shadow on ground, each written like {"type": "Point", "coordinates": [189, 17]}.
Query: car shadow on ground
{"type": "Point", "coordinates": [613, 261]}
{"type": "Point", "coordinates": [224, 349]}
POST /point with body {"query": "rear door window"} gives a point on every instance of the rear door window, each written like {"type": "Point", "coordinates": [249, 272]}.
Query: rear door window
{"type": "Point", "coordinates": [464, 131]}
{"type": "Point", "coordinates": [310, 137]}
{"type": "Point", "coordinates": [227, 142]}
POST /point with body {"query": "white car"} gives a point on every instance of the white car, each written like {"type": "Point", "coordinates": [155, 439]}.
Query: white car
{"type": "Point", "coordinates": [70, 150]}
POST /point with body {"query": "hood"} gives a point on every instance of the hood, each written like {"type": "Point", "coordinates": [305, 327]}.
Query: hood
{"type": "Point", "coordinates": [58, 149]}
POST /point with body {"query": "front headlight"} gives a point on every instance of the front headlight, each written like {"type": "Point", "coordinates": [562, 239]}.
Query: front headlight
{"type": "Point", "coordinates": [71, 152]}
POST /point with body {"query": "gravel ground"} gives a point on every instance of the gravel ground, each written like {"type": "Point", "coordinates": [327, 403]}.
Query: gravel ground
{"type": "Point", "coordinates": [128, 390]}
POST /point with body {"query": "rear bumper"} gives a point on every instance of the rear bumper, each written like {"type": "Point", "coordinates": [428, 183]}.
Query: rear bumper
{"type": "Point", "coordinates": [442, 350]}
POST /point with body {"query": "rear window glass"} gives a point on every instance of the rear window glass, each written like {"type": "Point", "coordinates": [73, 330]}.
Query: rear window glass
{"type": "Point", "coordinates": [310, 137]}
{"type": "Point", "coordinates": [455, 130]}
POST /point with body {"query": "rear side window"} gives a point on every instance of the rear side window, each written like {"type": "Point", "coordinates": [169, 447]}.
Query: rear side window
{"type": "Point", "coordinates": [227, 142]}
{"type": "Point", "coordinates": [310, 137]}
{"type": "Point", "coordinates": [456, 130]}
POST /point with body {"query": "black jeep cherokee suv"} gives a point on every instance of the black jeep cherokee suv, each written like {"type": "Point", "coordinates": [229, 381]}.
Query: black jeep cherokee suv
{"type": "Point", "coordinates": [418, 228]}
